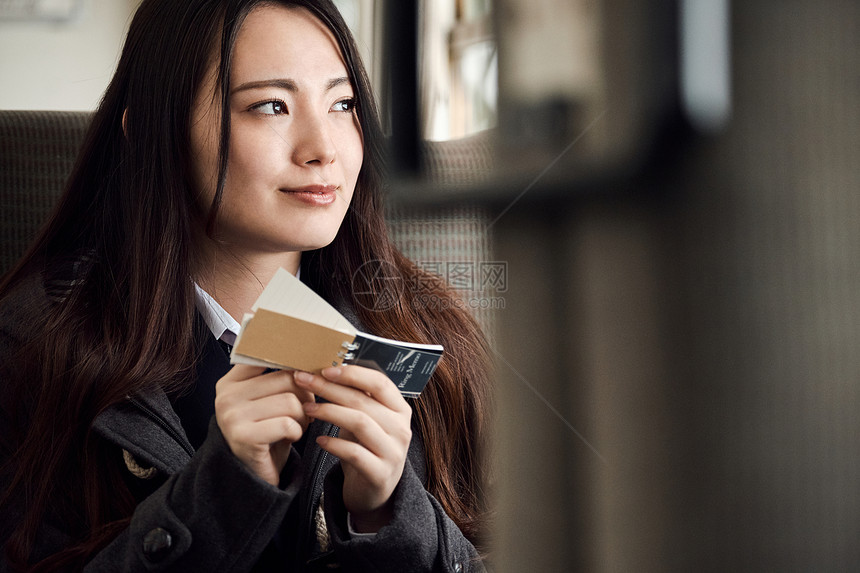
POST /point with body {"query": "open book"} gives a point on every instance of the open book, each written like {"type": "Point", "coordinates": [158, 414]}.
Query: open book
{"type": "Point", "coordinates": [292, 327]}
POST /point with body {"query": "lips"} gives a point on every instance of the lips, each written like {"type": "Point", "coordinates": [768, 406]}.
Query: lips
{"type": "Point", "coordinates": [314, 194]}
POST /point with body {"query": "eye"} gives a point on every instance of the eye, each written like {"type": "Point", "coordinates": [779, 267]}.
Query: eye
{"type": "Point", "coordinates": [347, 105]}
{"type": "Point", "coordinates": [274, 107]}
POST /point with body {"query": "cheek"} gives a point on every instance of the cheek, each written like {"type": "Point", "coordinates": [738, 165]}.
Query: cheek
{"type": "Point", "coordinates": [353, 157]}
{"type": "Point", "coordinates": [252, 169]}
{"type": "Point", "coordinates": [204, 155]}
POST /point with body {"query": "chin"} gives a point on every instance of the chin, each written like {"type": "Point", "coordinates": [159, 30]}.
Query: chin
{"type": "Point", "coordinates": [318, 242]}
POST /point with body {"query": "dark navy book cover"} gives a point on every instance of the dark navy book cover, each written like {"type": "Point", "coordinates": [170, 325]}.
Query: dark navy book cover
{"type": "Point", "coordinates": [408, 365]}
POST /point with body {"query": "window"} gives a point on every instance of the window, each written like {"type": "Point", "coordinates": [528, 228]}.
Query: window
{"type": "Point", "coordinates": [458, 71]}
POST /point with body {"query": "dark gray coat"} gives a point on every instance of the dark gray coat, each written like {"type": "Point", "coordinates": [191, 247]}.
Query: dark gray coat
{"type": "Point", "coordinates": [204, 511]}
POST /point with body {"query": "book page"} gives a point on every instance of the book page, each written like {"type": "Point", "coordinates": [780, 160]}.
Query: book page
{"type": "Point", "coordinates": [285, 294]}
{"type": "Point", "coordinates": [288, 342]}
{"type": "Point", "coordinates": [437, 348]}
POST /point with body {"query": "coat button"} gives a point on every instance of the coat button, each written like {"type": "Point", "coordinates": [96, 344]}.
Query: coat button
{"type": "Point", "coordinates": [157, 544]}
{"type": "Point", "coordinates": [458, 567]}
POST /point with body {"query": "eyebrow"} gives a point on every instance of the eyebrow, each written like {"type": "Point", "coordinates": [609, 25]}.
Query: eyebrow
{"type": "Point", "coordinates": [286, 84]}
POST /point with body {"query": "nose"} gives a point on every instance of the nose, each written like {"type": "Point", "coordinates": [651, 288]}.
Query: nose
{"type": "Point", "coordinates": [313, 142]}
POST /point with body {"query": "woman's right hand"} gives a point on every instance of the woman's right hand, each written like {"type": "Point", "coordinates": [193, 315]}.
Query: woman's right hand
{"type": "Point", "coordinates": [260, 416]}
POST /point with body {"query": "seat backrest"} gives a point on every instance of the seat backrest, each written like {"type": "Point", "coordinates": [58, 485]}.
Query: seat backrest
{"type": "Point", "coordinates": [37, 152]}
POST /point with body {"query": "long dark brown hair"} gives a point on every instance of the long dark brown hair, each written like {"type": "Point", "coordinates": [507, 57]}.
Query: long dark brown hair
{"type": "Point", "coordinates": [126, 226]}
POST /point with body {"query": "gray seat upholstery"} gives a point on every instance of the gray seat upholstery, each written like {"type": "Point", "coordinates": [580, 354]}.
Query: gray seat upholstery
{"type": "Point", "coordinates": [37, 152]}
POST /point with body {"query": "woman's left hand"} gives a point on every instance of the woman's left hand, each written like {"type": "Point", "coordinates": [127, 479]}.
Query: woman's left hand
{"type": "Point", "coordinates": [375, 433]}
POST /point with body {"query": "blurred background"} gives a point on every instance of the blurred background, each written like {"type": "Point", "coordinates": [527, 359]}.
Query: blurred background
{"type": "Point", "coordinates": [671, 188]}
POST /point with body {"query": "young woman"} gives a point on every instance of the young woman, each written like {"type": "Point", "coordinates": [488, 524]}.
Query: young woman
{"type": "Point", "coordinates": [237, 137]}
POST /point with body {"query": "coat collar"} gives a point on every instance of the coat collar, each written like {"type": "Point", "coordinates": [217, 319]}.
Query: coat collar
{"type": "Point", "coordinates": [147, 426]}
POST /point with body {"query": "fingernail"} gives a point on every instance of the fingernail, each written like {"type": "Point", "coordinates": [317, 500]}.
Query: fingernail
{"type": "Point", "coordinates": [310, 406]}
{"type": "Point", "coordinates": [303, 377]}
{"type": "Point", "coordinates": [332, 372]}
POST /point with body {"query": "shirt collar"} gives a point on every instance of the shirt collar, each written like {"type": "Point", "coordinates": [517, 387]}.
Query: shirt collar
{"type": "Point", "coordinates": [223, 326]}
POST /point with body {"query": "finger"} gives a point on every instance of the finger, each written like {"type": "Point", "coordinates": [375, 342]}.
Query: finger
{"type": "Point", "coordinates": [365, 429]}
{"type": "Point", "coordinates": [268, 431]}
{"type": "Point", "coordinates": [360, 458]}
{"type": "Point", "coordinates": [347, 392]}
{"type": "Point", "coordinates": [274, 406]}
{"type": "Point", "coordinates": [277, 382]}
{"type": "Point", "coordinates": [349, 397]}
{"type": "Point", "coordinates": [262, 385]}
{"type": "Point", "coordinates": [243, 372]}
{"type": "Point", "coordinates": [369, 381]}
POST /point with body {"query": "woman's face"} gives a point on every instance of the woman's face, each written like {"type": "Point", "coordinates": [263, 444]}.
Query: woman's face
{"type": "Point", "coordinates": [295, 143]}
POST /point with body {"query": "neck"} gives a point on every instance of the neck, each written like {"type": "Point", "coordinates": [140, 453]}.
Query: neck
{"type": "Point", "coordinates": [236, 280]}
